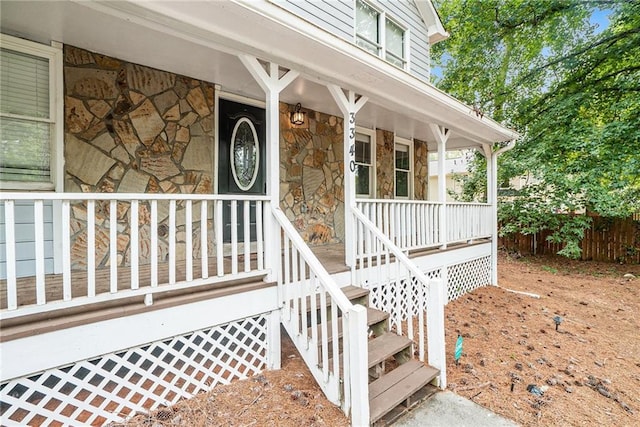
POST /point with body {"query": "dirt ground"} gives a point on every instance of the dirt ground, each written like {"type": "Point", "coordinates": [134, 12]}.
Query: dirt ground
{"type": "Point", "coordinates": [585, 373]}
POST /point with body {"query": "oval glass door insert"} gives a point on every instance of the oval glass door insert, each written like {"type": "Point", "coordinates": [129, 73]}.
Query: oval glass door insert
{"type": "Point", "coordinates": [245, 154]}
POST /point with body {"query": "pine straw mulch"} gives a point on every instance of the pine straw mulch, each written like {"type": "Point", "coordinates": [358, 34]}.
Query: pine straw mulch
{"type": "Point", "coordinates": [589, 370]}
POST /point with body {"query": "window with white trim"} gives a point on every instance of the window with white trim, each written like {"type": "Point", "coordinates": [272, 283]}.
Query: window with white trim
{"type": "Point", "coordinates": [403, 162]}
{"type": "Point", "coordinates": [365, 162]}
{"type": "Point", "coordinates": [381, 35]}
{"type": "Point", "coordinates": [28, 113]}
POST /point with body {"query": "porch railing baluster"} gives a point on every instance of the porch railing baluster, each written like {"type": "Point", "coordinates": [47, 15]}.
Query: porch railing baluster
{"type": "Point", "coordinates": [113, 246]}
{"type": "Point", "coordinates": [204, 236]}
{"type": "Point", "coordinates": [234, 237]}
{"type": "Point", "coordinates": [91, 248]}
{"type": "Point", "coordinates": [188, 239]}
{"type": "Point", "coordinates": [259, 236]}
{"type": "Point", "coordinates": [135, 276]}
{"type": "Point", "coordinates": [218, 220]}
{"type": "Point", "coordinates": [172, 242]}
{"type": "Point", "coordinates": [38, 219]}
{"type": "Point", "coordinates": [153, 252]}
{"type": "Point", "coordinates": [10, 246]}
{"type": "Point", "coordinates": [66, 251]}
{"type": "Point", "coordinates": [246, 226]}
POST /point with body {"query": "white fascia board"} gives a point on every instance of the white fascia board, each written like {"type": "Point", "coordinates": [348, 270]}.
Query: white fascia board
{"type": "Point", "coordinates": [431, 19]}
{"type": "Point", "coordinates": [305, 48]}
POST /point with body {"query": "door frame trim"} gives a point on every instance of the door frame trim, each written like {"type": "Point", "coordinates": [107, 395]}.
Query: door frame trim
{"type": "Point", "coordinates": [228, 96]}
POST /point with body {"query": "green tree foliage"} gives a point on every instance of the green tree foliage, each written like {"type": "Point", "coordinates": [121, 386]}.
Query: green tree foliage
{"type": "Point", "coordinates": [573, 93]}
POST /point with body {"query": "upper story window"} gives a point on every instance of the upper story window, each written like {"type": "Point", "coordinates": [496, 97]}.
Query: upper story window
{"type": "Point", "coordinates": [380, 35]}
{"type": "Point", "coordinates": [28, 114]}
{"type": "Point", "coordinates": [365, 163]}
{"type": "Point", "coordinates": [403, 162]}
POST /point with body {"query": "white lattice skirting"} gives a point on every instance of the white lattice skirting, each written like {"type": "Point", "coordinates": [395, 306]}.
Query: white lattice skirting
{"type": "Point", "coordinates": [467, 276]}
{"type": "Point", "coordinates": [403, 300]}
{"type": "Point", "coordinates": [117, 385]}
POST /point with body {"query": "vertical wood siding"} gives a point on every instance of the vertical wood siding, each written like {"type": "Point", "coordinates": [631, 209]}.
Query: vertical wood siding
{"type": "Point", "coordinates": [25, 239]}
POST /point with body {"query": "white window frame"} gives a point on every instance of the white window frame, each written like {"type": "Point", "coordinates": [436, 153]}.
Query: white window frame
{"type": "Point", "coordinates": [382, 28]}
{"type": "Point", "coordinates": [54, 55]}
{"type": "Point", "coordinates": [409, 144]}
{"type": "Point", "coordinates": [371, 133]}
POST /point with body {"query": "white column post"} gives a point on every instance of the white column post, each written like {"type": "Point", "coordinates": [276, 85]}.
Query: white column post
{"type": "Point", "coordinates": [272, 84]}
{"type": "Point", "coordinates": [274, 345]}
{"type": "Point", "coordinates": [492, 198]}
{"type": "Point", "coordinates": [442, 135]}
{"type": "Point", "coordinates": [358, 372]}
{"type": "Point", "coordinates": [349, 106]}
{"type": "Point", "coordinates": [435, 330]}
{"type": "Point", "coordinates": [494, 219]}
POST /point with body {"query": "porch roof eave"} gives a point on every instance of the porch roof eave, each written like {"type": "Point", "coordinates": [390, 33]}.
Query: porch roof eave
{"type": "Point", "coordinates": [200, 39]}
{"type": "Point", "coordinates": [280, 36]}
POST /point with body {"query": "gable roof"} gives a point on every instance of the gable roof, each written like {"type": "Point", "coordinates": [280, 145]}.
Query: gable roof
{"type": "Point", "coordinates": [435, 29]}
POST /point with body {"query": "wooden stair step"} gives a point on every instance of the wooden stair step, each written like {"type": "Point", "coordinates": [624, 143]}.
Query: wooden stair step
{"type": "Point", "coordinates": [373, 317]}
{"type": "Point", "coordinates": [351, 292]}
{"type": "Point", "coordinates": [354, 292]}
{"type": "Point", "coordinates": [393, 388]}
{"type": "Point", "coordinates": [385, 346]}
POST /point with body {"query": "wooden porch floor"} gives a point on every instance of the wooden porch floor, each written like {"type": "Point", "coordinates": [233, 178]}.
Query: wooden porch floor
{"type": "Point", "coordinates": [331, 256]}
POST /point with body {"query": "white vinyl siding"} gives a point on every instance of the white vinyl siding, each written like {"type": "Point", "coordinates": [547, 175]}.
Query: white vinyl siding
{"type": "Point", "coordinates": [407, 13]}
{"type": "Point", "coordinates": [25, 239]}
{"type": "Point", "coordinates": [338, 17]}
{"type": "Point", "coordinates": [333, 16]}
{"type": "Point", "coordinates": [379, 33]}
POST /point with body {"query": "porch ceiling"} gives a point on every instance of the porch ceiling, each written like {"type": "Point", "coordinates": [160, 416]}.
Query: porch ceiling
{"type": "Point", "coordinates": [200, 39]}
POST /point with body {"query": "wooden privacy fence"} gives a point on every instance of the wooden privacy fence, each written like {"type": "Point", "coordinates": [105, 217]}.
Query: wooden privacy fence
{"type": "Point", "coordinates": [608, 239]}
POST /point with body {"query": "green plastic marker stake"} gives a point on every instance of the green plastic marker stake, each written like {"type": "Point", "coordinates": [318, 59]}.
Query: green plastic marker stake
{"type": "Point", "coordinates": [458, 352]}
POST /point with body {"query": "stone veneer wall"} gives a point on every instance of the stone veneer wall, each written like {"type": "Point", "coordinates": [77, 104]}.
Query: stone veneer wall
{"type": "Point", "coordinates": [385, 167]}
{"type": "Point", "coordinates": [311, 175]}
{"type": "Point", "coordinates": [421, 170]}
{"type": "Point", "coordinates": [132, 129]}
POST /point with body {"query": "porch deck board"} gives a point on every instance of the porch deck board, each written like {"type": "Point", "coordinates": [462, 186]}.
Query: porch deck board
{"type": "Point", "coordinates": [26, 286]}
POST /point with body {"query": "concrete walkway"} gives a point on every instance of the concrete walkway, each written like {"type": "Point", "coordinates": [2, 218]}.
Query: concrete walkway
{"type": "Point", "coordinates": [447, 409]}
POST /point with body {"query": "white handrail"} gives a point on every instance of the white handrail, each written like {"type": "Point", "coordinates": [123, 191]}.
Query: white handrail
{"type": "Point", "coordinates": [312, 261]}
{"type": "Point", "coordinates": [395, 250]}
{"type": "Point", "coordinates": [400, 272]}
{"type": "Point", "coordinates": [313, 308]}
{"type": "Point", "coordinates": [381, 258]}
{"type": "Point", "coordinates": [7, 195]}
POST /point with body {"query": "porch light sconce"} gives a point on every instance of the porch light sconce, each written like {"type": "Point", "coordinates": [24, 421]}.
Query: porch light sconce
{"type": "Point", "coordinates": [297, 116]}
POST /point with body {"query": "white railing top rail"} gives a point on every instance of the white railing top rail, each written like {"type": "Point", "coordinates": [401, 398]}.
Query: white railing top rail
{"type": "Point", "coordinates": [419, 202]}
{"type": "Point", "coordinates": [127, 196]}
{"type": "Point", "coordinates": [393, 248]}
{"type": "Point", "coordinates": [312, 261]}
{"type": "Point", "coordinates": [467, 204]}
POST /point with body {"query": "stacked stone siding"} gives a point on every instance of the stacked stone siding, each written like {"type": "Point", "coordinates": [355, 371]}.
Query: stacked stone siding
{"type": "Point", "coordinates": [311, 175]}
{"type": "Point", "coordinates": [421, 172]}
{"type": "Point", "coordinates": [132, 129]}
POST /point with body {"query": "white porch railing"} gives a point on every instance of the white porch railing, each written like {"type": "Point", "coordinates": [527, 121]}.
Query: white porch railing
{"type": "Point", "coordinates": [115, 246]}
{"type": "Point", "coordinates": [398, 287]}
{"type": "Point", "coordinates": [417, 224]}
{"type": "Point", "coordinates": [468, 221]}
{"type": "Point", "coordinates": [331, 340]}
